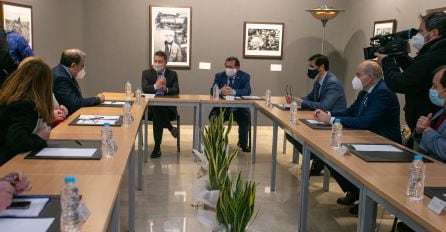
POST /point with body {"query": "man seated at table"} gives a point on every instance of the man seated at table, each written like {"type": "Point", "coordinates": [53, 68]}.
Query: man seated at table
{"type": "Point", "coordinates": [160, 81]}
{"type": "Point", "coordinates": [375, 109]}
{"type": "Point", "coordinates": [430, 131]}
{"type": "Point", "coordinates": [65, 76]}
{"type": "Point", "coordinates": [12, 184]}
{"type": "Point", "coordinates": [235, 82]}
{"type": "Point", "coordinates": [327, 94]}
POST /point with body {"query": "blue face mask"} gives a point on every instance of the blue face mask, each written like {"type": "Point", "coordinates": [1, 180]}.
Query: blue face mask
{"type": "Point", "coordinates": [433, 95]}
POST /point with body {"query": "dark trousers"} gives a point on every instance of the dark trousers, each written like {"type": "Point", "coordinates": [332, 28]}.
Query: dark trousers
{"type": "Point", "coordinates": [345, 185]}
{"type": "Point", "coordinates": [161, 117]}
{"type": "Point", "coordinates": [299, 147]}
{"type": "Point", "coordinates": [243, 118]}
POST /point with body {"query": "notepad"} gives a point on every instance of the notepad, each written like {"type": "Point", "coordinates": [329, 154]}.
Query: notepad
{"type": "Point", "coordinates": [312, 121]}
{"type": "Point", "coordinates": [37, 204]}
{"type": "Point", "coordinates": [25, 224]}
{"type": "Point", "coordinates": [113, 102]}
{"type": "Point", "coordinates": [67, 152]}
{"type": "Point", "coordinates": [377, 148]}
{"type": "Point", "coordinates": [97, 120]}
{"type": "Point", "coordinates": [147, 95]}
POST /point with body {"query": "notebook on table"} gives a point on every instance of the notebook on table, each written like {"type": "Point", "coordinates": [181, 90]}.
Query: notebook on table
{"type": "Point", "coordinates": [68, 150]}
{"type": "Point", "coordinates": [382, 153]}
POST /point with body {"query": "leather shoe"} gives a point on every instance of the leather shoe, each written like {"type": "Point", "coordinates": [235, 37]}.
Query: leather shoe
{"type": "Point", "coordinates": [174, 132]}
{"type": "Point", "coordinates": [316, 167]}
{"type": "Point", "coordinates": [354, 210]}
{"type": "Point", "coordinates": [246, 149]}
{"type": "Point", "coordinates": [402, 227]}
{"type": "Point", "coordinates": [349, 199]}
{"type": "Point", "coordinates": [156, 154]}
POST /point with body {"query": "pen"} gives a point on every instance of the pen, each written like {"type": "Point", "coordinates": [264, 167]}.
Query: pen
{"type": "Point", "coordinates": [79, 143]}
{"type": "Point", "coordinates": [95, 118]}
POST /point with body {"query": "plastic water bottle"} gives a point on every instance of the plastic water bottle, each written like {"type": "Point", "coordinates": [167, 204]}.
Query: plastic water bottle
{"type": "Point", "coordinates": [70, 220]}
{"type": "Point", "coordinates": [336, 134]}
{"type": "Point", "coordinates": [107, 140]}
{"type": "Point", "coordinates": [215, 94]}
{"type": "Point", "coordinates": [293, 112]}
{"type": "Point", "coordinates": [138, 94]}
{"type": "Point", "coordinates": [128, 89]}
{"type": "Point", "coordinates": [268, 98]}
{"type": "Point", "coordinates": [127, 119]}
{"type": "Point", "coordinates": [415, 184]}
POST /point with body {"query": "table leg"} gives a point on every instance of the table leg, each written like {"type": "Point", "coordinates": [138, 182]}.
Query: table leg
{"type": "Point", "coordinates": [140, 158]}
{"type": "Point", "coordinates": [254, 137]}
{"type": "Point", "coordinates": [146, 134]}
{"type": "Point", "coordinates": [115, 215]}
{"type": "Point", "coordinates": [366, 212]}
{"type": "Point", "coordinates": [305, 176]}
{"type": "Point", "coordinates": [131, 191]}
{"type": "Point", "coordinates": [274, 159]}
{"type": "Point", "coordinates": [326, 184]}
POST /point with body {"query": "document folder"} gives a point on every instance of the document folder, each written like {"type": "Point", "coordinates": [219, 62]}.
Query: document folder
{"type": "Point", "coordinates": [69, 150]}
{"type": "Point", "coordinates": [383, 153]}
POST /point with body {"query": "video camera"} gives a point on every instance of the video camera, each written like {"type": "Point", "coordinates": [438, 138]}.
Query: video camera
{"type": "Point", "coordinates": [390, 44]}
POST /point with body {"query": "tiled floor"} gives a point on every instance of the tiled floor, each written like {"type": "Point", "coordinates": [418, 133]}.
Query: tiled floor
{"type": "Point", "coordinates": [165, 204]}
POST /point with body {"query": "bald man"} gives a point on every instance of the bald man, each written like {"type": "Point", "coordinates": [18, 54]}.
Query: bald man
{"type": "Point", "coordinates": [375, 109]}
{"type": "Point", "coordinates": [65, 77]}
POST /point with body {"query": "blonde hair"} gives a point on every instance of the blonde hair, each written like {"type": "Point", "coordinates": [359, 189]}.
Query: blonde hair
{"type": "Point", "coordinates": [31, 81]}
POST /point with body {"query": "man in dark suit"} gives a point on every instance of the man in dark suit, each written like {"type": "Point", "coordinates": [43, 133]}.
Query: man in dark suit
{"type": "Point", "coordinates": [235, 82]}
{"type": "Point", "coordinates": [161, 81]}
{"type": "Point", "coordinates": [376, 109]}
{"type": "Point", "coordinates": [327, 94]}
{"type": "Point", "coordinates": [65, 76]}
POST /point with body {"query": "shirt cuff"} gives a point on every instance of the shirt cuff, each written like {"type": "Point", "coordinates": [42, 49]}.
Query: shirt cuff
{"type": "Point", "coordinates": [154, 86]}
{"type": "Point", "coordinates": [233, 92]}
{"type": "Point", "coordinates": [167, 90]}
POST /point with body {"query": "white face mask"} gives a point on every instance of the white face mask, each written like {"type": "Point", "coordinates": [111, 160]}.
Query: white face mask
{"type": "Point", "coordinates": [357, 84]}
{"type": "Point", "coordinates": [417, 41]}
{"type": "Point", "coordinates": [230, 72]}
{"type": "Point", "coordinates": [80, 75]}
{"type": "Point", "coordinates": [158, 67]}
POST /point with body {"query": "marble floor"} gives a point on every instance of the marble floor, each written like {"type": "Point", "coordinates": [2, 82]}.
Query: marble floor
{"type": "Point", "coordinates": [166, 202]}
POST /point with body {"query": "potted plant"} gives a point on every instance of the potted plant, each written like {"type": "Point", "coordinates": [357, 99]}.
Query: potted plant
{"type": "Point", "coordinates": [215, 141]}
{"type": "Point", "coordinates": [235, 205]}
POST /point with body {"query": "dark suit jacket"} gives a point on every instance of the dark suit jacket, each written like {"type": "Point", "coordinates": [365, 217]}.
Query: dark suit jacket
{"type": "Point", "coordinates": [331, 97]}
{"type": "Point", "coordinates": [67, 91]}
{"type": "Point", "coordinates": [241, 84]}
{"type": "Point", "coordinates": [149, 78]}
{"type": "Point", "coordinates": [416, 80]}
{"type": "Point", "coordinates": [17, 122]}
{"type": "Point", "coordinates": [433, 142]}
{"type": "Point", "coordinates": [378, 112]}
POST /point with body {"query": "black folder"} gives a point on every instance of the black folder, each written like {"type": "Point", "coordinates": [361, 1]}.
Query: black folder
{"type": "Point", "coordinates": [167, 96]}
{"type": "Point", "coordinates": [439, 192]}
{"type": "Point", "coordinates": [320, 126]}
{"type": "Point", "coordinates": [286, 107]}
{"type": "Point", "coordinates": [69, 144]}
{"type": "Point", "coordinates": [76, 121]}
{"type": "Point", "coordinates": [403, 156]}
{"type": "Point", "coordinates": [114, 103]}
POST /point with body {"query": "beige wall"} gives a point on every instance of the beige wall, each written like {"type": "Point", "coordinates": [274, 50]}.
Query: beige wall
{"type": "Point", "coordinates": [114, 34]}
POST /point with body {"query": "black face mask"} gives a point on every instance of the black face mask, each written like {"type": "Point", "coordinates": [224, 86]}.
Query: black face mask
{"type": "Point", "coordinates": [312, 73]}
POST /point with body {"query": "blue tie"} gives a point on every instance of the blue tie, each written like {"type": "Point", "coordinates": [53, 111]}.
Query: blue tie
{"type": "Point", "coordinates": [158, 91]}
{"type": "Point", "coordinates": [231, 82]}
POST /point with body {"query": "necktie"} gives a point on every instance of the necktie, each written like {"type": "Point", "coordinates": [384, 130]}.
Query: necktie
{"type": "Point", "coordinates": [159, 91]}
{"type": "Point", "coordinates": [439, 121]}
{"type": "Point", "coordinates": [316, 91]}
{"type": "Point", "coordinates": [231, 82]}
{"type": "Point", "coordinates": [365, 96]}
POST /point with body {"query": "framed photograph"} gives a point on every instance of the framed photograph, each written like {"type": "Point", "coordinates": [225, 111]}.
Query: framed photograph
{"type": "Point", "coordinates": [170, 31]}
{"type": "Point", "coordinates": [17, 17]}
{"type": "Point", "coordinates": [263, 40]}
{"type": "Point", "coordinates": [384, 27]}
{"type": "Point", "coordinates": [441, 9]}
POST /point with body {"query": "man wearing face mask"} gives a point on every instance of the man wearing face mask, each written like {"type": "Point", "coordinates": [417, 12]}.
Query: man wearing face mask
{"type": "Point", "coordinates": [416, 78]}
{"type": "Point", "coordinates": [375, 109]}
{"type": "Point", "coordinates": [160, 81]}
{"type": "Point", "coordinates": [235, 82]}
{"type": "Point", "coordinates": [430, 132]}
{"type": "Point", "coordinates": [65, 76]}
{"type": "Point", "coordinates": [327, 94]}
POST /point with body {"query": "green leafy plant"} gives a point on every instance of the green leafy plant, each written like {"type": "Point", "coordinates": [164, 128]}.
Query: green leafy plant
{"type": "Point", "coordinates": [215, 141]}
{"type": "Point", "coordinates": [235, 205]}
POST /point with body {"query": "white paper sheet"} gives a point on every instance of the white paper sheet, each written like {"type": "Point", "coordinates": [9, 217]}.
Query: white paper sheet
{"type": "Point", "coordinates": [312, 121]}
{"type": "Point", "coordinates": [25, 224]}
{"type": "Point", "coordinates": [34, 209]}
{"type": "Point", "coordinates": [92, 116]}
{"type": "Point", "coordinates": [95, 122]}
{"type": "Point", "coordinates": [67, 152]}
{"type": "Point", "coordinates": [114, 102]}
{"type": "Point", "coordinates": [148, 95]}
{"type": "Point", "coordinates": [251, 97]}
{"type": "Point", "coordinates": [373, 147]}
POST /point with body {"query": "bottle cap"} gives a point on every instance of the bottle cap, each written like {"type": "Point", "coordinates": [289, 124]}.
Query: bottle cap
{"type": "Point", "coordinates": [337, 120]}
{"type": "Point", "coordinates": [418, 157]}
{"type": "Point", "coordinates": [70, 179]}
{"type": "Point", "coordinates": [106, 124]}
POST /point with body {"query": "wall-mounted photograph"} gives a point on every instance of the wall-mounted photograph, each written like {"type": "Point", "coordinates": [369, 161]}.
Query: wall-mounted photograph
{"type": "Point", "coordinates": [18, 18]}
{"type": "Point", "coordinates": [170, 32]}
{"type": "Point", "coordinates": [263, 40]}
{"type": "Point", "coordinates": [384, 27]}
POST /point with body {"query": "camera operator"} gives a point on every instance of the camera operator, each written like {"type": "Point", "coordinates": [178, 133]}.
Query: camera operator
{"type": "Point", "coordinates": [416, 78]}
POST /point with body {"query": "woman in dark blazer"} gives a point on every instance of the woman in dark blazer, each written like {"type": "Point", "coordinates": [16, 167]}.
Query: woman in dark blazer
{"type": "Point", "coordinates": [26, 105]}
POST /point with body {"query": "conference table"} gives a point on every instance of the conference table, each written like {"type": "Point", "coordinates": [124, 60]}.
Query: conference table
{"type": "Point", "coordinates": [382, 183]}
